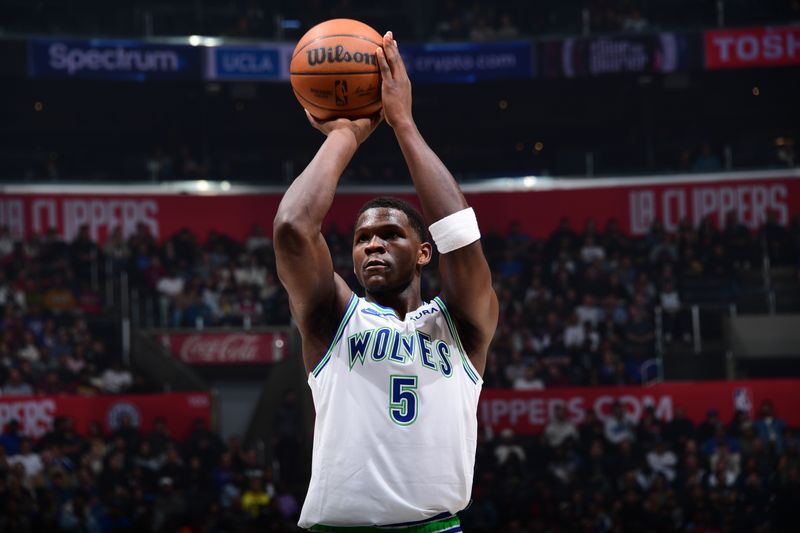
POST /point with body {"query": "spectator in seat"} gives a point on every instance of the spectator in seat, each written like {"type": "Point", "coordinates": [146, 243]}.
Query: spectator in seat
{"type": "Point", "coordinates": [710, 426]}
{"type": "Point", "coordinates": [257, 240]}
{"type": "Point", "coordinates": [574, 333]}
{"type": "Point", "coordinates": [506, 30]}
{"type": "Point", "coordinates": [723, 455]}
{"type": "Point", "coordinates": [560, 428]}
{"type": "Point", "coordinates": [59, 299]}
{"type": "Point", "coordinates": [663, 460]}
{"type": "Point", "coordinates": [11, 438]}
{"type": "Point", "coordinates": [250, 272]}
{"type": "Point", "coordinates": [591, 251]}
{"type": "Point", "coordinates": [171, 284]}
{"type": "Point", "coordinates": [619, 426]}
{"type": "Point", "coordinates": [556, 376]}
{"type": "Point", "coordinates": [679, 429]}
{"type": "Point", "coordinates": [168, 507]}
{"type": "Point", "coordinates": [530, 379]}
{"type": "Point", "coordinates": [720, 438]}
{"type": "Point", "coordinates": [160, 437]}
{"type": "Point", "coordinates": [639, 335]}
{"type": "Point", "coordinates": [29, 351]}
{"type": "Point", "coordinates": [770, 428]}
{"type": "Point", "coordinates": [89, 300]}
{"type": "Point", "coordinates": [589, 312]}
{"type": "Point", "coordinates": [52, 385]}
{"type": "Point", "coordinates": [737, 240]}
{"type": "Point", "coordinates": [778, 239]}
{"type": "Point", "coordinates": [493, 376]}
{"type": "Point", "coordinates": [515, 368]}
{"type": "Point", "coordinates": [675, 319]}
{"type": "Point", "coordinates": [255, 500]}
{"type": "Point", "coordinates": [507, 447]}
{"type": "Point", "coordinates": [16, 385]}
{"type": "Point", "coordinates": [83, 251]}
{"type": "Point", "coordinates": [116, 379]}
{"type": "Point", "coordinates": [650, 429]}
{"type": "Point", "coordinates": [706, 160]}
{"type": "Point", "coordinates": [6, 242]}
{"type": "Point", "coordinates": [591, 429]}
{"type": "Point", "coordinates": [28, 458]}
{"type": "Point", "coordinates": [116, 248]}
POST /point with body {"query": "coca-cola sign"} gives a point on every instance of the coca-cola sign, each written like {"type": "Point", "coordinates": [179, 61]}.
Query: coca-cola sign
{"type": "Point", "coordinates": [215, 348]}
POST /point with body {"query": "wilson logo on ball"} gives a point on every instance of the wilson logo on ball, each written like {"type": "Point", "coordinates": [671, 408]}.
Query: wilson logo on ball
{"type": "Point", "coordinates": [334, 70]}
{"type": "Point", "coordinates": [340, 90]}
{"type": "Point", "coordinates": [337, 54]}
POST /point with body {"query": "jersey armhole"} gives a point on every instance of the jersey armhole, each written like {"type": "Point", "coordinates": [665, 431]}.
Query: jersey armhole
{"type": "Point", "coordinates": [469, 368]}
{"type": "Point", "coordinates": [352, 304]}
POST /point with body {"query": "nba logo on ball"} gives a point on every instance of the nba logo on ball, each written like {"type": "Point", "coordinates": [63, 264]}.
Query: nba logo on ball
{"type": "Point", "coordinates": [743, 400]}
{"type": "Point", "coordinates": [340, 90]}
{"type": "Point", "coordinates": [342, 51]}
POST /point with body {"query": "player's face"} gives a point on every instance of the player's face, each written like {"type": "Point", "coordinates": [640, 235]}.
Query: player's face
{"type": "Point", "coordinates": [387, 252]}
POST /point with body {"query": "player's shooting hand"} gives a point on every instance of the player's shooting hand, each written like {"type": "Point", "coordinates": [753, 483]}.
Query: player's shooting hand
{"type": "Point", "coordinates": [395, 87]}
{"type": "Point", "coordinates": [361, 128]}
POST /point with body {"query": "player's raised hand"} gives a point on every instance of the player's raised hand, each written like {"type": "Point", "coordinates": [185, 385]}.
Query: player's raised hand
{"type": "Point", "coordinates": [396, 87]}
{"type": "Point", "coordinates": [361, 128]}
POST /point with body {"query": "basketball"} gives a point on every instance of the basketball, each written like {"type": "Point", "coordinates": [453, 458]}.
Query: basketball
{"type": "Point", "coordinates": [334, 70]}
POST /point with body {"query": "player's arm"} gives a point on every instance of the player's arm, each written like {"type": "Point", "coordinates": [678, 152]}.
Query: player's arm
{"type": "Point", "coordinates": [466, 278]}
{"type": "Point", "coordinates": [317, 295]}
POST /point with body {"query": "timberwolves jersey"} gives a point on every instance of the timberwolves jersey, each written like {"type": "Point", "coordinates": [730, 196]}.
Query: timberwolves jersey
{"type": "Point", "coordinates": [396, 426]}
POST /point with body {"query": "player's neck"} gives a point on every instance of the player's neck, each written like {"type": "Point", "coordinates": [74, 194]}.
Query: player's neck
{"type": "Point", "coordinates": [402, 301]}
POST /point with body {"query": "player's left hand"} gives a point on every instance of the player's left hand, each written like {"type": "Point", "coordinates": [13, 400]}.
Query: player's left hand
{"type": "Point", "coordinates": [395, 86]}
{"type": "Point", "coordinates": [361, 128]}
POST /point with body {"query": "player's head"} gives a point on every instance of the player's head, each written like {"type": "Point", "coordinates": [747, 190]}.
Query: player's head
{"type": "Point", "coordinates": [390, 245]}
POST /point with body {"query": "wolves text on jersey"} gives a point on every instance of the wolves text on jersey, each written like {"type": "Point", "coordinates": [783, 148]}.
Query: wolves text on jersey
{"type": "Point", "coordinates": [388, 344]}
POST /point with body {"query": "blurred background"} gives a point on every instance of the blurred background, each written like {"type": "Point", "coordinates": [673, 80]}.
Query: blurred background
{"type": "Point", "coordinates": [633, 166]}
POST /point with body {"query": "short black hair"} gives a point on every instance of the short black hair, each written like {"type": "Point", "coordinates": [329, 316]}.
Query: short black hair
{"type": "Point", "coordinates": [414, 216]}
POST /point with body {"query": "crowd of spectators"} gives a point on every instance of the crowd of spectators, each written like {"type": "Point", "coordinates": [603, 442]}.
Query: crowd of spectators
{"type": "Point", "coordinates": [128, 480]}
{"type": "Point", "coordinates": [221, 282]}
{"type": "Point", "coordinates": [50, 342]}
{"type": "Point", "coordinates": [621, 474]}
{"type": "Point", "coordinates": [454, 19]}
{"type": "Point", "coordinates": [575, 308]}
{"type": "Point", "coordinates": [602, 475]}
{"type": "Point", "coordinates": [583, 309]}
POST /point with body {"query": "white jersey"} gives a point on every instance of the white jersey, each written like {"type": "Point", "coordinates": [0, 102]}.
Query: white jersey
{"type": "Point", "coordinates": [396, 425]}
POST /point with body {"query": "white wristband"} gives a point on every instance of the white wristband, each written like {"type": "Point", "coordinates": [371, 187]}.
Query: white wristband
{"type": "Point", "coordinates": [455, 231]}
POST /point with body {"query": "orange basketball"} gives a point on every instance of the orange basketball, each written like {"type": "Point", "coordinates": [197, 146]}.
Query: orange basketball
{"type": "Point", "coordinates": [334, 70]}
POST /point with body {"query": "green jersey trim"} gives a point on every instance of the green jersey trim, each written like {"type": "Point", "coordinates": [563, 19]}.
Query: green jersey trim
{"type": "Point", "coordinates": [454, 332]}
{"type": "Point", "coordinates": [351, 307]}
{"type": "Point", "coordinates": [440, 526]}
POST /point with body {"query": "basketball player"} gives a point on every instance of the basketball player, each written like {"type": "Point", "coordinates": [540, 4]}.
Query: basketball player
{"type": "Point", "coordinates": [395, 380]}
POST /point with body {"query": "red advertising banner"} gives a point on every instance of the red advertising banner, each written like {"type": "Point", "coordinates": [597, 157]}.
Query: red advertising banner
{"type": "Point", "coordinates": [527, 412]}
{"type": "Point", "coordinates": [216, 348]}
{"type": "Point", "coordinates": [37, 413]}
{"type": "Point", "coordinates": [538, 207]}
{"type": "Point", "coordinates": [752, 47]}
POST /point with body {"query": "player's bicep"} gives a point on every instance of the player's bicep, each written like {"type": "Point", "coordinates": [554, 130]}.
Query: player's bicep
{"type": "Point", "coordinates": [467, 289]}
{"type": "Point", "coordinates": [305, 269]}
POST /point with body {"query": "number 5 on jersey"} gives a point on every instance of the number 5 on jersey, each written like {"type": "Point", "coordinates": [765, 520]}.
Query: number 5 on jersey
{"type": "Point", "coordinates": [403, 399]}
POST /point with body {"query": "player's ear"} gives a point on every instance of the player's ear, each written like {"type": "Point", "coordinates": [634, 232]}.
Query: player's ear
{"type": "Point", "coordinates": [425, 254]}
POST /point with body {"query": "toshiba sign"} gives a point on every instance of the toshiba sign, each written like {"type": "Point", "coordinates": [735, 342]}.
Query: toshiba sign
{"type": "Point", "coordinates": [752, 47]}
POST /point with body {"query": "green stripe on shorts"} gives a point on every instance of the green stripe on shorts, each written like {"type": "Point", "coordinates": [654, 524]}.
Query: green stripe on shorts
{"type": "Point", "coordinates": [431, 527]}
